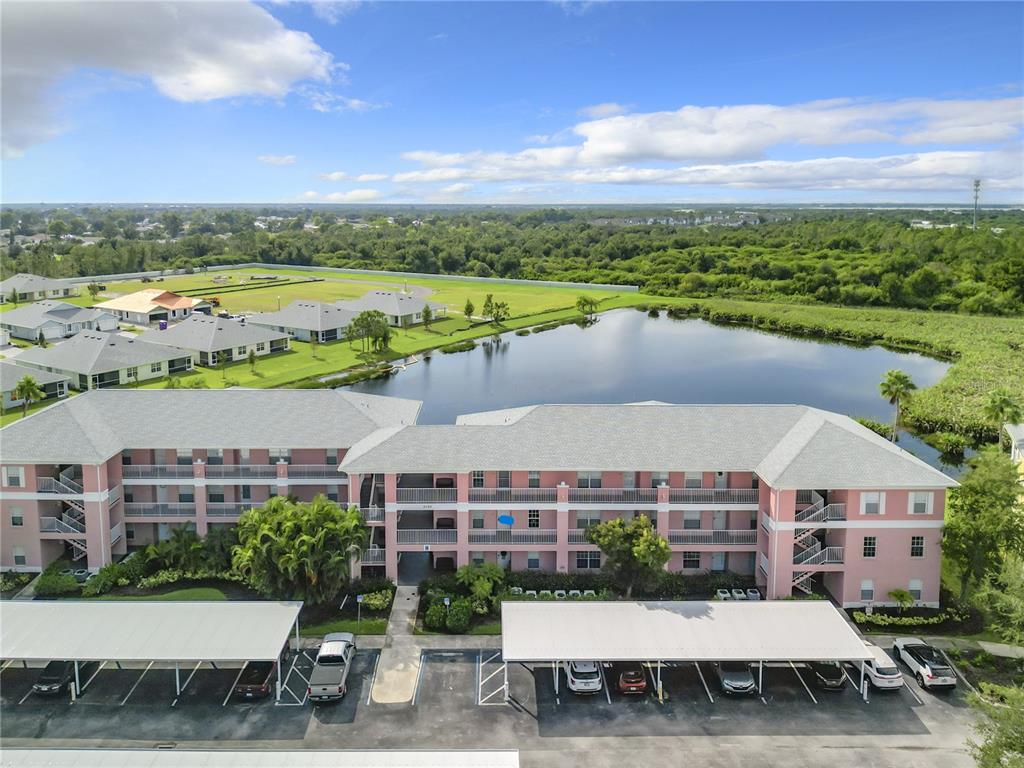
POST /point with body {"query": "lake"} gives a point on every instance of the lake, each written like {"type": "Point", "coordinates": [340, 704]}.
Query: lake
{"type": "Point", "coordinates": [627, 356]}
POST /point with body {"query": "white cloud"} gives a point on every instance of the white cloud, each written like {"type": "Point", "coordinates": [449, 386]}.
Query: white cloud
{"type": "Point", "coordinates": [605, 109]}
{"type": "Point", "coordinates": [190, 51]}
{"type": "Point", "coordinates": [354, 196]}
{"type": "Point", "coordinates": [334, 176]}
{"type": "Point", "coordinates": [456, 189]}
{"type": "Point", "coordinates": [365, 177]}
{"type": "Point", "coordinates": [333, 11]}
{"type": "Point", "coordinates": [324, 100]}
{"type": "Point", "coordinates": [310, 195]}
{"type": "Point", "coordinates": [277, 159]}
{"type": "Point", "coordinates": [361, 178]}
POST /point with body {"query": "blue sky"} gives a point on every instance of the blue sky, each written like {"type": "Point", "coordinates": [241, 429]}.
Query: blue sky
{"type": "Point", "coordinates": [512, 102]}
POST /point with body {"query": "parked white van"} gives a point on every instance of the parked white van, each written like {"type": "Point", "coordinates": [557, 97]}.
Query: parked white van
{"type": "Point", "coordinates": [881, 670]}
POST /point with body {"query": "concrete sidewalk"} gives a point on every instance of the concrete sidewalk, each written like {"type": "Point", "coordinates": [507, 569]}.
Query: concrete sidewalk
{"type": "Point", "coordinates": [957, 643]}
{"type": "Point", "coordinates": [399, 664]}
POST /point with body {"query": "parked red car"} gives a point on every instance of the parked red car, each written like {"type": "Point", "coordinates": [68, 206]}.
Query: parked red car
{"type": "Point", "coordinates": [632, 680]}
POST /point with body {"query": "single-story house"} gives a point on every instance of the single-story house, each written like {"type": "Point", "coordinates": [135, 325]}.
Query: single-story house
{"type": "Point", "coordinates": [55, 320]}
{"type": "Point", "coordinates": [152, 305]}
{"type": "Point", "coordinates": [303, 320]}
{"type": "Point", "coordinates": [33, 288]}
{"type": "Point", "coordinates": [400, 308]}
{"type": "Point", "coordinates": [54, 385]}
{"type": "Point", "coordinates": [93, 360]}
{"type": "Point", "coordinates": [208, 336]}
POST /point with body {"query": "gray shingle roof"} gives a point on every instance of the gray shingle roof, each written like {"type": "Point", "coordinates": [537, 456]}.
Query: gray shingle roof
{"type": "Point", "coordinates": [211, 334]}
{"type": "Point", "coordinates": [91, 352]}
{"type": "Point", "coordinates": [96, 425]}
{"type": "Point", "coordinates": [34, 315]}
{"type": "Point", "coordinates": [11, 374]}
{"type": "Point", "coordinates": [26, 283]}
{"type": "Point", "coordinates": [308, 315]}
{"type": "Point", "coordinates": [789, 446]}
{"type": "Point", "coordinates": [388, 302]}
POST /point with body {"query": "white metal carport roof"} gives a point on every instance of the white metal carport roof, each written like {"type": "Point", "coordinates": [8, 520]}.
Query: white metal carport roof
{"type": "Point", "coordinates": [130, 630]}
{"type": "Point", "coordinates": [798, 630]}
{"type": "Point", "coordinates": [307, 758]}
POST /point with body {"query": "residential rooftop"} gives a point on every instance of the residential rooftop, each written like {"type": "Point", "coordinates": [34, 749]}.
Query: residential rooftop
{"type": "Point", "coordinates": [24, 282]}
{"type": "Point", "coordinates": [91, 352]}
{"type": "Point", "coordinates": [307, 315]}
{"type": "Point", "coordinates": [388, 302]}
{"type": "Point", "coordinates": [11, 373]}
{"type": "Point", "coordinates": [211, 334]}
{"type": "Point", "coordinates": [96, 425]}
{"type": "Point", "coordinates": [788, 446]}
{"type": "Point", "coordinates": [147, 300]}
{"type": "Point", "coordinates": [39, 312]}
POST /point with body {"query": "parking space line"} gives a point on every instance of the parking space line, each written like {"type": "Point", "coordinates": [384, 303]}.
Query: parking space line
{"type": "Point", "coordinates": [801, 679]}
{"type": "Point", "coordinates": [232, 688]}
{"type": "Point", "coordinates": [907, 685]}
{"type": "Point", "coordinates": [419, 677]}
{"type": "Point", "coordinates": [604, 682]}
{"type": "Point", "coordinates": [373, 678]}
{"type": "Point", "coordinates": [125, 699]}
{"type": "Point", "coordinates": [22, 701]}
{"type": "Point", "coordinates": [705, 682]}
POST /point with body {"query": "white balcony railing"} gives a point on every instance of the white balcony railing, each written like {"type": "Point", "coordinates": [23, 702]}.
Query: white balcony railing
{"type": "Point", "coordinates": [697, 536]}
{"type": "Point", "coordinates": [713, 495]}
{"type": "Point", "coordinates": [613, 495]}
{"type": "Point", "coordinates": [114, 495]}
{"type": "Point", "coordinates": [63, 524]}
{"type": "Point", "coordinates": [578, 536]}
{"type": "Point", "coordinates": [513, 536]}
{"type": "Point", "coordinates": [426, 535]}
{"type": "Point", "coordinates": [821, 514]}
{"type": "Point", "coordinates": [159, 509]}
{"type": "Point", "coordinates": [372, 514]}
{"type": "Point", "coordinates": [315, 471]}
{"type": "Point", "coordinates": [425, 495]}
{"type": "Point", "coordinates": [243, 471]}
{"type": "Point", "coordinates": [53, 485]}
{"type": "Point", "coordinates": [157, 471]}
{"type": "Point", "coordinates": [116, 532]}
{"type": "Point", "coordinates": [227, 508]}
{"type": "Point", "coordinates": [513, 495]}
{"type": "Point", "coordinates": [372, 557]}
{"type": "Point", "coordinates": [824, 556]}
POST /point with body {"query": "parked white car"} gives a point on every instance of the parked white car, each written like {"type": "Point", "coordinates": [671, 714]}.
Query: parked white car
{"type": "Point", "coordinates": [583, 676]}
{"type": "Point", "coordinates": [929, 666]}
{"type": "Point", "coordinates": [880, 669]}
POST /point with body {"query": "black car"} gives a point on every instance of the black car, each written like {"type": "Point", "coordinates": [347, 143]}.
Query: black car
{"type": "Point", "coordinates": [55, 678]}
{"type": "Point", "coordinates": [828, 675]}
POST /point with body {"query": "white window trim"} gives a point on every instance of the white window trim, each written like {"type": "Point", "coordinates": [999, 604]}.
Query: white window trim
{"type": "Point", "coordinates": [881, 503]}
{"type": "Point", "coordinates": [688, 476]}
{"type": "Point", "coordinates": [919, 588]}
{"type": "Point", "coordinates": [929, 503]}
{"type": "Point", "coordinates": [870, 586]}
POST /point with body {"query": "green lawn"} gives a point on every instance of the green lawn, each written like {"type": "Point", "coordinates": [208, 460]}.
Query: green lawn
{"type": "Point", "coordinates": [13, 414]}
{"type": "Point", "coordinates": [192, 593]}
{"type": "Point", "coordinates": [490, 628]}
{"type": "Point", "coordinates": [364, 627]}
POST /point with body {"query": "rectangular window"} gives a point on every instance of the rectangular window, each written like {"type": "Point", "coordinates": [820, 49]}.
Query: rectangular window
{"type": "Point", "coordinates": [533, 518]}
{"type": "Point", "coordinates": [588, 479]}
{"type": "Point", "coordinates": [914, 588]}
{"type": "Point", "coordinates": [331, 457]}
{"type": "Point", "coordinates": [920, 503]}
{"type": "Point", "coordinates": [17, 519]}
{"type": "Point", "coordinates": [184, 457]}
{"type": "Point", "coordinates": [278, 455]}
{"type": "Point", "coordinates": [917, 546]}
{"type": "Point", "coordinates": [691, 559]}
{"type": "Point", "coordinates": [129, 531]}
{"type": "Point", "coordinates": [587, 519]}
{"type": "Point", "coordinates": [131, 373]}
{"type": "Point", "coordinates": [629, 480]}
{"type": "Point", "coordinates": [533, 560]}
{"type": "Point", "coordinates": [333, 493]}
{"type": "Point", "coordinates": [14, 477]}
{"type": "Point", "coordinates": [871, 502]}
{"type": "Point", "coordinates": [504, 479]}
{"type": "Point", "coordinates": [261, 347]}
{"type": "Point", "coordinates": [478, 519]}
{"type": "Point", "coordinates": [129, 497]}
{"type": "Point", "coordinates": [246, 493]}
{"type": "Point", "coordinates": [241, 351]}
{"type": "Point", "coordinates": [659, 478]}
{"type": "Point", "coordinates": [215, 493]}
{"type": "Point", "coordinates": [187, 496]}
{"type": "Point", "coordinates": [533, 481]}
{"type": "Point", "coordinates": [156, 367]}
{"type": "Point", "coordinates": [755, 483]}
{"type": "Point", "coordinates": [126, 458]}
{"type": "Point", "coordinates": [691, 520]}
{"type": "Point", "coordinates": [867, 590]}
{"type": "Point", "coordinates": [477, 478]}
{"type": "Point", "coordinates": [870, 546]}
{"type": "Point", "coordinates": [588, 560]}
{"type": "Point", "coordinates": [693, 480]}
{"type": "Point", "coordinates": [215, 456]}
{"type": "Point", "coordinates": [19, 555]}
{"type": "Point", "coordinates": [477, 558]}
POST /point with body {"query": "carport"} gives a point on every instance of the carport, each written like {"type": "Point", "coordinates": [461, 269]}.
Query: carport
{"type": "Point", "coordinates": [144, 632]}
{"type": "Point", "coordinates": [657, 632]}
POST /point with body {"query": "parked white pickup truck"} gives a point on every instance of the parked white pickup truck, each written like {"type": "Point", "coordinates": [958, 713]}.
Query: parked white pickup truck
{"type": "Point", "coordinates": [929, 667]}
{"type": "Point", "coordinates": [333, 662]}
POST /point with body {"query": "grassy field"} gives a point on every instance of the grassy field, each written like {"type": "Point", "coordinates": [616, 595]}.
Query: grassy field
{"type": "Point", "coordinates": [192, 593]}
{"type": "Point", "coordinates": [364, 627]}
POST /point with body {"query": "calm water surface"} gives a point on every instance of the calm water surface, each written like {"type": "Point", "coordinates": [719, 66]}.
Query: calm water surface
{"type": "Point", "coordinates": [627, 356]}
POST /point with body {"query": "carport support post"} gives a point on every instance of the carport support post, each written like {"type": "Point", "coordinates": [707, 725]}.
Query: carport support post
{"type": "Point", "coordinates": [78, 682]}
{"type": "Point", "coordinates": [863, 690]}
{"type": "Point", "coordinates": [660, 697]}
{"type": "Point", "coordinates": [760, 675]}
{"type": "Point", "coordinates": [177, 681]}
{"type": "Point", "coordinates": [278, 697]}
{"type": "Point", "coordinates": [554, 672]}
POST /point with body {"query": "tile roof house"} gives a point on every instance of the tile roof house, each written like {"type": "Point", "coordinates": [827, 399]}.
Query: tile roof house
{"type": "Point", "coordinates": [34, 287]}
{"type": "Point", "coordinates": [151, 305]}
{"type": "Point", "coordinates": [55, 320]}
{"type": "Point", "coordinates": [93, 360]}
{"type": "Point", "coordinates": [209, 336]}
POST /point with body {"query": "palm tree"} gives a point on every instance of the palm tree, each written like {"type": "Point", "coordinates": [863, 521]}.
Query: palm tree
{"type": "Point", "coordinates": [896, 387]}
{"type": "Point", "coordinates": [586, 305]}
{"type": "Point", "coordinates": [252, 361]}
{"type": "Point", "coordinates": [28, 391]}
{"type": "Point", "coordinates": [1002, 408]}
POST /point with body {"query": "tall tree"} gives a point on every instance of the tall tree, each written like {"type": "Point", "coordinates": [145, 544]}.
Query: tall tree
{"type": "Point", "coordinates": [1001, 597]}
{"type": "Point", "coordinates": [634, 552]}
{"type": "Point", "coordinates": [468, 311]}
{"type": "Point", "coordinates": [1002, 408]}
{"type": "Point", "coordinates": [28, 391]}
{"type": "Point", "coordinates": [428, 316]}
{"type": "Point", "coordinates": [13, 298]}
{"type": "Point", "coordinates": [488, 309]}
{"type": "Point", "coordinates": [586, 305]}
{"type": "Point", "coordinates": [1000, 727]}
{"type": "Point", "coordinates": [896, 388]}
{"type": "Point", "coordinates": [41, 340]}
{"type": "Point", "coordinates": [985, 520]}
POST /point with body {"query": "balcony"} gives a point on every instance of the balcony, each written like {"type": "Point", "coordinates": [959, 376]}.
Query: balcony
{"type": "Point", "coordinates": [713, 495]}
{"type": "Point", "coordinates": [426, 536]}
{"type": "Point", "coordinates": [425, 495]}
{"type": "Point", "coordinates": [227, 508]}
{"type": "Point", "coordinates": [64, 524]}
{"type": "Point", "coordinates": [157, 471]}
{"type": "Point", "coordinates": [116, 532]}
{"type": "Point", "coordinates": [613, 495]}
{"type": "Point", "coordinates": [513, 495]}
{"type": "Point", "coordinates": [819, 556]}
{"type": "Point", "coordinates": [512, 536]}
{"type": "Point", "coordinates": [159, 509]}
{"type": "Point", "coordinates": [372, 514]}
{"type": "Point", "coordinates": [60, 486]}
{"type": "Point", "coordinates": [724, 537]}
{"type": "Point", "coordinates": [372, 557]}
{"type": "Point", "coordinates": [578, 536]}
{"type": "Point", "coordinates": [315, 472]}
{"type": "Point", "coordinates": [242, 471]}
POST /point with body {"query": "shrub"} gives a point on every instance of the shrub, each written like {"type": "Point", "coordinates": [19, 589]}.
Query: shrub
{"type": "Point", "coordinates": [11, 580]}
{"type": "Point", "coordinates": [435, 617]}
{"type": "Point", "coordinates": [885, 620]}
{"type": "Point", "coordinates": [370, 584]}
{"type": "Point", "coordinates": [459, 614]}
{"type": "Point", "coordinates": [52, 584]}
{"type": "Point", "coordinates": [172, 575]}
{"type": "Point", "coordinates": [378, 601]}
{"type": "Point", "coordinates": [523, 332]}
{"type": "Point", "coordinates": [441, 582]}
{"type": "Point", "coordinates": [458, 346]}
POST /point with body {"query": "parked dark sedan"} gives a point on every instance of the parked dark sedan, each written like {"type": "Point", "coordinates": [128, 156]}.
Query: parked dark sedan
{"type": "Point", "coordinates": [55, 678]}
{"type": "Point", "coordinates": [828, 675]}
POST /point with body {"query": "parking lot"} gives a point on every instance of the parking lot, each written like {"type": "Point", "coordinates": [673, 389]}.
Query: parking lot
{"type": "Point", "coordinates": [458, 703]}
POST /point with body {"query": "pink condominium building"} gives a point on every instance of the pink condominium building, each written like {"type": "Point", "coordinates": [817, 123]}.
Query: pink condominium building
{"type": "Point", "coordinates": [793, 498]}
